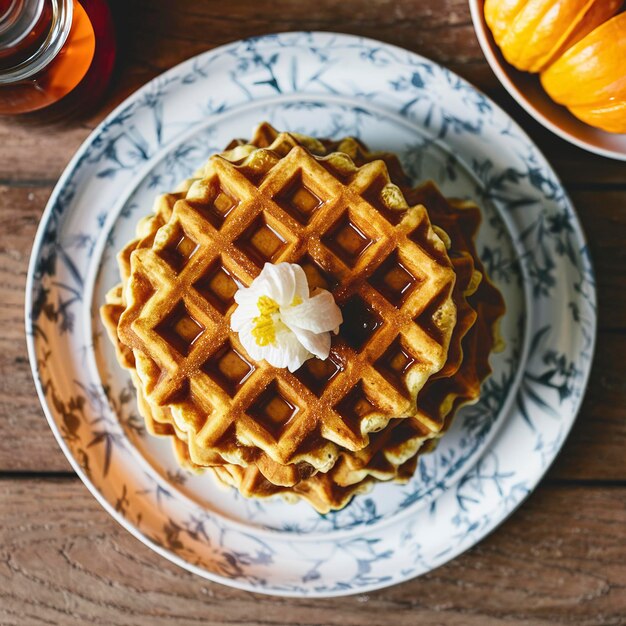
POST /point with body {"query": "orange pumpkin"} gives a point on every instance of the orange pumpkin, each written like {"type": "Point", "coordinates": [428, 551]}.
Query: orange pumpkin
{"type": "Point", "coordinates": [590, 78]}
{"type": "Point", "coordinates": [532, 33]}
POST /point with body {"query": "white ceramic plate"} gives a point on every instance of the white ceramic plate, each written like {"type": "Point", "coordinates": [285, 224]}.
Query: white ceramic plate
{"type": "Point", "coordinates": [528, 92]}
{"type": "Point", "coordinates": [325, 85]}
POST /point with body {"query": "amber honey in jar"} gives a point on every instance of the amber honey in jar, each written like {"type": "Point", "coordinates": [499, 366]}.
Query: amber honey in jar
{"type": "Point", "coordinates": [56, 56]}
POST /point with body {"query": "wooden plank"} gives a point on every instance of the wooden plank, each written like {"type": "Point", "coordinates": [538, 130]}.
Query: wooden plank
{"type": "Point", "coordinates": [603, 217]}
{"type": "Point", "coordinates": [561, 558]}
{"type": "Point", "coordinates": [444, 34]}
{"type": "Point", "coordinates": [594, 450]}
{"type": "Point", "coordinates": [26, 442]}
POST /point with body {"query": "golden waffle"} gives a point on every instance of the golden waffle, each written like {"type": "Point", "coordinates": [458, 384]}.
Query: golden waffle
{"type": "Point", "coordinates": [232, 221]}
{"type": "Point", "coordinates": [462, 226]}
{"type": "Point", "coordinates": [337, 495]}
{"type": "Point", "coordinates": [268, 468]}
{"type": "Point", "coordinates": [333, 490]}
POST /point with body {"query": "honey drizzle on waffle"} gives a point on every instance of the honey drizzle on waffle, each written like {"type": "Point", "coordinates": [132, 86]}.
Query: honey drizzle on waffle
{"type": "Point", "coordinates": [165, 287]}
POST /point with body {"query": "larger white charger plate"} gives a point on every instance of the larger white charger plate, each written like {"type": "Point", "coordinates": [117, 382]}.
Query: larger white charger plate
{"type": "Point", "coordinates": [327, 85]}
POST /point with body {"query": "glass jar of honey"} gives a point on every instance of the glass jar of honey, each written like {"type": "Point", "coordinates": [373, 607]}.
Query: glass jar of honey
{"type": "Point", "coordinates": [56, 56]}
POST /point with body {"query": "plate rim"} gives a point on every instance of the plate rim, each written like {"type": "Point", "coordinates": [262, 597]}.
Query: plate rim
{"type": "Point", "coordinates": [100, 498]}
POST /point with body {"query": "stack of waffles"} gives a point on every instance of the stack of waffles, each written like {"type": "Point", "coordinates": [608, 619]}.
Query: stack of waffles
{"type": "Point", "coordinates": [420, 317]}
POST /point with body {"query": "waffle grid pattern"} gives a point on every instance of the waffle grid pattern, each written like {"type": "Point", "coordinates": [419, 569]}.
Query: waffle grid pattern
{"type": "Point", "coordinates": [299, 212]}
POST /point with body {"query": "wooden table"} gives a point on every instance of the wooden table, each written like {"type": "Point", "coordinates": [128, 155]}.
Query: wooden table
{"type": "Point", "coordinates": [561, 558]}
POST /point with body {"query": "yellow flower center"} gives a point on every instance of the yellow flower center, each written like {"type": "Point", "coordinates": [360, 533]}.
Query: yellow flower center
{"type": "Point", "coordinates": [264, 331]}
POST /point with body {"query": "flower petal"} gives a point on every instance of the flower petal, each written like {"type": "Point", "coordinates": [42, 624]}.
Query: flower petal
{"type": "Point", "coordinates": [301, 331]}
{"type": "Point", "coordinates": [302, 284]}
{"type": "Point", "coordinates": [317, 344]}
{"type": "Point", "coordinates": [287, 352]}
{"type": "Point", "coordinates": [317, 314]}
{"type": "Point", "coordinates": [254, 350]}
{"type": "Point", "coordinates": [248, 295]}
{"type": "Point", "coordinates": [243, 314]}
{"type": "Point", "coordinates": [278, 282]}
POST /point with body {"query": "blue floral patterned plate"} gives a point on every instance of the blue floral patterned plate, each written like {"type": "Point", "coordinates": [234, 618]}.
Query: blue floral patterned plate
{"type": "Point", "coordinates": [325, 85]}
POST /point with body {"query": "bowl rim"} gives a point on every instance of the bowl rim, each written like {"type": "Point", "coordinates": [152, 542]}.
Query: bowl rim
{"type": "Point", "coordinates": [483, 36]}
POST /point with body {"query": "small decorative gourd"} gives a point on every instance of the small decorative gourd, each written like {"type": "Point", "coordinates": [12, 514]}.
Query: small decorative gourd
{"type": "Point", "coordinates": [590, 78]}
{"type": "Point", "coordinates": [533, 33]}
{"type": "Point", "coordinates": [577, 46]}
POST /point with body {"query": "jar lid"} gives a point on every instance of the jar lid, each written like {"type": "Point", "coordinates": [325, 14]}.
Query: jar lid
{"type": "Point", "coordinates": [17, 19]}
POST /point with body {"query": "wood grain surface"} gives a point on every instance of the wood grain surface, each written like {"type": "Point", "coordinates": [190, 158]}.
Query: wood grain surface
{"type": "Point", "coordinates": [64, 561]}
{"type": "Point", "coordinates": [561, 558]}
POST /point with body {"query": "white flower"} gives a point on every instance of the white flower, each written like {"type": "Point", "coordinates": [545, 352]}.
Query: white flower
{"type": "Point", "coordinates": [278, 321]}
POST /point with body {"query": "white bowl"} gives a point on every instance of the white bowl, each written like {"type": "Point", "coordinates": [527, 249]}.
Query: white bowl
{"type": "Point", "coordinates": [528, 92]}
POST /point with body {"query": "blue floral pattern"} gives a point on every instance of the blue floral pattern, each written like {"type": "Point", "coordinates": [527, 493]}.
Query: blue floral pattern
{"type": "Point", "coordinates": [443, 128]}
